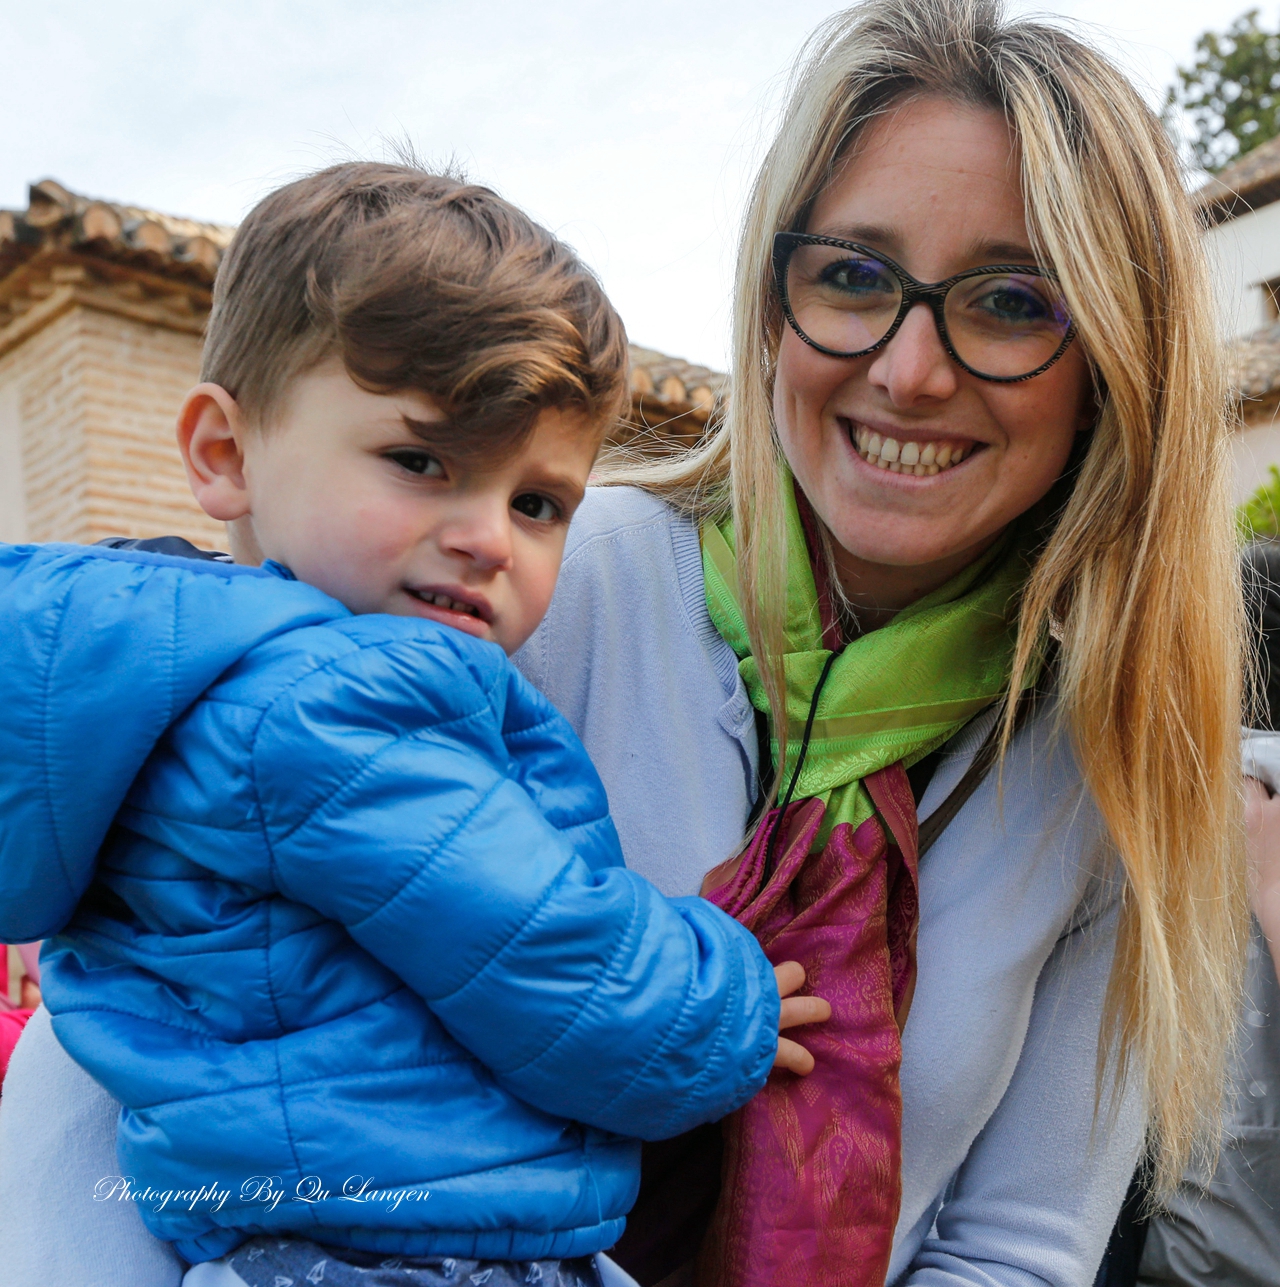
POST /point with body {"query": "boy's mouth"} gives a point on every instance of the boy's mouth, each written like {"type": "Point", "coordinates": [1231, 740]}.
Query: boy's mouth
{"type": "Point", "coordinates": [444, 601]}
{"type": "Point", "coordinates": [453, 607]}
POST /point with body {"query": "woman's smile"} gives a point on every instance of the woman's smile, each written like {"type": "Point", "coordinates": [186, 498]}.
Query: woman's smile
{"type": "Point", "coordinates": [909, 453]}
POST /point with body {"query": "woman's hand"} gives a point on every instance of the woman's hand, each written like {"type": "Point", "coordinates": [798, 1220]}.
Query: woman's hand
{"type": "Point", "coordinates": [1262, 823]}
{"type": "Point", "coordinates": [797, 1010]}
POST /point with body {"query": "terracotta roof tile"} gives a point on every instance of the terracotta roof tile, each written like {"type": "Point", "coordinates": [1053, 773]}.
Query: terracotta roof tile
{"type": "Point", "coordinates": [1246, 184]}
{"type": "Point", "coordinates": [57, 218]}
{"type": "Point", "coordinates": [672, 379]}
{"type": "Point", "coordinates": [671, 399]}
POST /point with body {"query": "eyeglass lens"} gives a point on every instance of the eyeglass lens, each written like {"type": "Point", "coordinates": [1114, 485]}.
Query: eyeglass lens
{"type": "Point", "coordinates": [1001, 324]}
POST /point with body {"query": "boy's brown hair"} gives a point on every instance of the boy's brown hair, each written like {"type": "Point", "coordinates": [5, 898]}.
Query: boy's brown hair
{"type": "Point", "coordinates": [417, 281]}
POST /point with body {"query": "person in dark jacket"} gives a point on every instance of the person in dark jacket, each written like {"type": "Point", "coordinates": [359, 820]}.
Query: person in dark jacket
{"type": "Point", "coordinates": [1223, 1223]}
{"type": "Point", "coordinates": [337, 910]}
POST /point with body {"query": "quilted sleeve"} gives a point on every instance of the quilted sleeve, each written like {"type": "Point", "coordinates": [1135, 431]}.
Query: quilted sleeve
{"type": "Point", "coordinates": [422, 794]}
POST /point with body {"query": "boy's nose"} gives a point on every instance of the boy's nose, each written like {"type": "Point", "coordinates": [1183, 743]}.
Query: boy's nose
{"type": "Point", "coordinates": [481, 534]}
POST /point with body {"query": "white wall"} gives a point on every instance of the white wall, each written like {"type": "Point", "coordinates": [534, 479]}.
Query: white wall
{"type": "Point", "coordinates": [13, 505]}
{"type": "Point", "coordinates": [1252, 451]}
{"type": "Point", "coordinates": [1243, 253]}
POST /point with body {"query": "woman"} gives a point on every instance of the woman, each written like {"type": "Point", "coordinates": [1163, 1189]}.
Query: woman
{"type": "Point", "coordinates": [1012, 483]}
{"type": "Point", "coordinates": [933, 141]}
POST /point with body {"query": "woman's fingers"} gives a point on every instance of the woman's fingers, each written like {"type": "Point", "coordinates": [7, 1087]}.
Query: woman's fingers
{"type": "Point", "coordinates": [793, 1057]}
{"type": "Point", "coordinates": [790, 976]}
{"type": "Point", "coordinates": [800, 1010]}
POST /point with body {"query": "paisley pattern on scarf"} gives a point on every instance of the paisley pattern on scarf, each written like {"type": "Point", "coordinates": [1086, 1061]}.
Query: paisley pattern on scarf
{"type": "Point", "coordinates": [812, 1166]}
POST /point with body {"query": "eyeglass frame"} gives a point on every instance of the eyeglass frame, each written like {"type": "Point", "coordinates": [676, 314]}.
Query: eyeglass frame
{"type": "Point", "coordinates": [914, 292]}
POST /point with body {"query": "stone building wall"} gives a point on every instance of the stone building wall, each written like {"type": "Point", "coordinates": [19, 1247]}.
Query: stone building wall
{"type": "Point", "coordinates": [135, 379]}
{"type": "Point", "coordinates": [102, 310]}
{"type": "Point", "coordinates": [87, 449]}
{"type": "Point", "coordinates": [41, 443]}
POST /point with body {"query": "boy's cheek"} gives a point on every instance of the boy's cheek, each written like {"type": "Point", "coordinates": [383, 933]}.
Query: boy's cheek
{"type": "Point", "coordinates": [532, 587]}
{"type": "Point", "coordinates": [346, 573]}
{"type": "Point", "coordinates": [512, 631]}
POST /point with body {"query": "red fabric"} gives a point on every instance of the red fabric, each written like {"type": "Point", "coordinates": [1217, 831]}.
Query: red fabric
{"type": "Point", "coordinates": [12, 1019]}
{"type": "Point", "coordinates": [12, 1023]}
{"type": "Point", "coordinates": [812, 1171]}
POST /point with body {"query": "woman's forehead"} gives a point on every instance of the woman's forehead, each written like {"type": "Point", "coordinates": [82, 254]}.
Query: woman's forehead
{"type": "Point", "coordinates": [930, 178]}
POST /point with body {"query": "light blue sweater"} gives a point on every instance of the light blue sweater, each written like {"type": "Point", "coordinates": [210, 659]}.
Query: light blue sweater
{"type": "Point", "coordinates": [1008, 1177]}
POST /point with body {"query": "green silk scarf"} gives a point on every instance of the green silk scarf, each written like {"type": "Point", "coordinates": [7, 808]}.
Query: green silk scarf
{"type": "Point", "coordinates": [896, 693]}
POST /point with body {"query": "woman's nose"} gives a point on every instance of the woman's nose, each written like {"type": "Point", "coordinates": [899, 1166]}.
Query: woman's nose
{"type": "Point", "coordinates": [914, 367]}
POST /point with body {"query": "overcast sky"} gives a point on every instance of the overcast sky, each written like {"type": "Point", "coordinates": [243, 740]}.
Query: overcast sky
{"type": "Point", "coordinates": [630, 128]}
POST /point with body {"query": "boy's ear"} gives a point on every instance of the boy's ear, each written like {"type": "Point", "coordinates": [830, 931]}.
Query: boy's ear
{"type": "Point", "coordinates": [211, 437]}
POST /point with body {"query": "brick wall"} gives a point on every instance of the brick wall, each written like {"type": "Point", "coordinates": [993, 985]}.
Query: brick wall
{"type": "Point", "coordinates": [87, 408]}
{"type": "Point", "coordinates": [45, 433]}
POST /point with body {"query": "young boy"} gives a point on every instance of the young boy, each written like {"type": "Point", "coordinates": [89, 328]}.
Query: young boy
{"type": "Point", "coordinates": [341, 916]}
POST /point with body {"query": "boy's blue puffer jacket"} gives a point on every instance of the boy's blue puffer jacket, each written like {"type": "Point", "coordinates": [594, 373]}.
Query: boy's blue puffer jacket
{"type": "Point", "coordinates": [360, 921]}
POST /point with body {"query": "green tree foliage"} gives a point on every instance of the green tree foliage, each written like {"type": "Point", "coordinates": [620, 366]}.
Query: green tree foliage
{"type": "Point", "coordinates": [1259, 517]}
{"type": "Point", "coordinates": [1230, 95]}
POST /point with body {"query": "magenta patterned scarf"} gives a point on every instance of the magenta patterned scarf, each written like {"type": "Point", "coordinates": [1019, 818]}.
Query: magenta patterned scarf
{"type": "Point", "coordinates": [811, 1176]}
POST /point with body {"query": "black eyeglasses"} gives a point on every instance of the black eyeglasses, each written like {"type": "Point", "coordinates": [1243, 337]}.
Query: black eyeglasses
{"type": "Point", "coordinates": [1001, 322]}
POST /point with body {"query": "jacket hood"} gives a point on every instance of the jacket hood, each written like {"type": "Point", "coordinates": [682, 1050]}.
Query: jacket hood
{"type": "Point", "coordinates": [100, 651]}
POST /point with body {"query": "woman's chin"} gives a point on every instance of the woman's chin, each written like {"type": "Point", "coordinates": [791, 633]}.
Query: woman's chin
{"type": "Point", "coordinates": [879, 539]}
{"type": "Point", "coordinates": [879, 520]}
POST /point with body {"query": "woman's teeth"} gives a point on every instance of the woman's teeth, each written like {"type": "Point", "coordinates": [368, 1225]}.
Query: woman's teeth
{"type": "Point", "coordinates": [908, 457]}
{"type": "Point", "coordinates": [443, 601]}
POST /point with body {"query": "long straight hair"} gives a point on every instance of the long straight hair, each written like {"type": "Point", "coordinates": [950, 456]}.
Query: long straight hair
{"type": "Point", "coordinates": [1138, 576]}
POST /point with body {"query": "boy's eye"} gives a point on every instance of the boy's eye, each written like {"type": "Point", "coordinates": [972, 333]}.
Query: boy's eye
{"type": "Point", "coordinates": [538, 508]}
{"type": "Point", "coordinates": [416, 461]}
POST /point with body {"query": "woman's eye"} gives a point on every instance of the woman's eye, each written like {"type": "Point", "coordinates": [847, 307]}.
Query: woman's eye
{"type": "Point", "coordinates": [1012, 304]}
{"type": "Point", "coordinates": [858, 276]}
{"type": "Point", "coordinates": [538, 508]}
{"type": "Point", "coordinates": [422, 463]}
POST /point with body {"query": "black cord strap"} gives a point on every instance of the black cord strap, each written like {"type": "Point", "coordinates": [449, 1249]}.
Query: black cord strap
{"type": "Point", "coordinates": [776, 829]}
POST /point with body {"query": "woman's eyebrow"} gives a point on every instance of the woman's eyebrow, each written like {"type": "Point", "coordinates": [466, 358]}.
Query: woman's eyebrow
{"type": "Point", "coordinates": [1004, 252]}
{"type": "Point", "coordinates": [884, 237]}
{"type": "Point", "coordinates": [878, 236]}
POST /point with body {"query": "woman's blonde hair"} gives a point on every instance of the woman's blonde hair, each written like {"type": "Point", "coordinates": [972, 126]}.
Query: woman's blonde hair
{"type": "Point", "coordinates": [1138, 576]}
